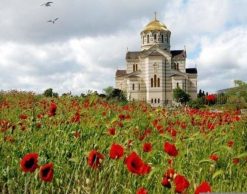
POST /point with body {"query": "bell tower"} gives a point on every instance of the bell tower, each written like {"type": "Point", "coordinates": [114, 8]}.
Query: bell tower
{"type": "Point", "coordinates": [155, 33]}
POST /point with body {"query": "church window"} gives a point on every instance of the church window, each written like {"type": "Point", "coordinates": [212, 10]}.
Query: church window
{"type": "Point", "coordinates": [177, 66]}
{"type": "Point", "coordinates": [152, 100]}
{"type": "Point", "coordinates": [155, 80]}
{"type": "Point", "coordinates": [177, 85]}
{"type": "Point", "coordinates": [133, 86]}
{"type": "Point", "coordinates": [162, 38]}
{"type": "Point", "coordinates": [133, 67]}
{"type": "Point", "coordinates": [152, 82]}
{"type": "Point", "coordinates": [136, 67]}
{"type": "Point", "coordinates": [158, 100]}
{"type": "Point", "coordinates": [155, 36]}
{"type": "Point", "coordinates": [147, 38]}
{"type": "Point", "coordinates": [158, 82]}
{"type": "Point", "coordinates": [155, 101]}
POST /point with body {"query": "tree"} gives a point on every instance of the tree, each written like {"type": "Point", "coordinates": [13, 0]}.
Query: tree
{"type": "Point", "coordinates": [180, 96]}
{"type": "Point", "coordinates": [239, 83]}
{"type": "Point", "coordinates": [48, 92]}
{"type": "Point", "coordinates": [108, 90]}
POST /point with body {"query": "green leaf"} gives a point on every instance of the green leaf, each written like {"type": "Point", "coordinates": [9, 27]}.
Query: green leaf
{"type": "Point", "coordinates": [167, 137]}
{"type": "Point", "coordinates": [206, 161]}
{"type": "Point", "coordinates": [76, 160]}
{"type": "Point", "coordinates": [243, 155]}
{"type": "Point", "coordinates": [226, 148]}
{"type": "Point", "coordinates": [218, 173]}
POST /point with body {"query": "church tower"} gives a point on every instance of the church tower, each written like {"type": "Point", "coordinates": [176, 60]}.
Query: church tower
{"type": "Point", "coordinates": [152, 74]}
{"type": "Point", "coordinates": [155, 33]}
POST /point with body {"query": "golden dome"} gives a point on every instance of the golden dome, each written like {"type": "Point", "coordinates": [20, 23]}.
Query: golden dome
{"type": "Point", "coordinates": [155, 25]}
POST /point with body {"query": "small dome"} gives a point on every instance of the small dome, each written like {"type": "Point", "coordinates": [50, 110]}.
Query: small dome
{"type": "Point", "coordinates": [155, 25]}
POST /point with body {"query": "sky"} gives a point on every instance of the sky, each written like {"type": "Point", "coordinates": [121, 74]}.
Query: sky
{"type": "Point", "coordinates": [88, 42]}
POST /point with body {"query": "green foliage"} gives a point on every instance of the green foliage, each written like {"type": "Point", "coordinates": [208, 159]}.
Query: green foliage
{"type": "Point", "coordinates": [117, 94]}
{"type": "Point", "coordinates": [49, 93]}
{"type": "Point", "coordinates": [221, 98]}
{"type": "Point", "coordinates": [108, 91]}
{"type": "Point", "coordinates": [197, 103]}
{"type": "Point", "coordinates": [180, 95]}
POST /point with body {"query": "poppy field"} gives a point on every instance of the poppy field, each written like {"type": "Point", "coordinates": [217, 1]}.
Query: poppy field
{"type": "Point", "coordinates": [89, 145]}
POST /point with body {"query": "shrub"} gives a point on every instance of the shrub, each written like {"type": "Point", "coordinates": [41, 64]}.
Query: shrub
{"type": "Point", "coordinates": [197, 103]}
{"type": "Point", "coordinates": [180, 95]}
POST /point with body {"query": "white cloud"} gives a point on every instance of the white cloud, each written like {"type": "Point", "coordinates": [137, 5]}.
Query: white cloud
{"type": "Point", "coordinates": [222, 59]}
{"type": "Point", "coordinates": [88, 43]}
{"type": "Point", "coordinates": [76, 65]}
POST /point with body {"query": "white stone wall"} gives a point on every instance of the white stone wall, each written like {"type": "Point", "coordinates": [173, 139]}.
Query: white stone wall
{"type": "Point", "coordinates": [145, 44]}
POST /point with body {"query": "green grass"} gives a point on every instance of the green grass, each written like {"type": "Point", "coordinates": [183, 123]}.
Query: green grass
{"type": "Point", "coordinates": [55, 142]}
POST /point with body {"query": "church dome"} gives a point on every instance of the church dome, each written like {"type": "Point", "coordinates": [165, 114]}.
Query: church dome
{"type": "Point", "coordinates": [155, 25]}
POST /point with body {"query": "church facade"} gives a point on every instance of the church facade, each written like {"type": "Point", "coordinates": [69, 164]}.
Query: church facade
{"type": "Point", "coordinates": [152, 73]}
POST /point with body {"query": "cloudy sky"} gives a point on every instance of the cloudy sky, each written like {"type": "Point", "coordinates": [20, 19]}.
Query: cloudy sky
{"type": "Point", "coordinates": [83, 49]}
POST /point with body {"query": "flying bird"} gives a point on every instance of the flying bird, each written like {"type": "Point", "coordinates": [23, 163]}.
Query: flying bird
{"type": "Point", "coordinates": [53, 21]}
{"type": "Point", "coordinates": [47, 4]}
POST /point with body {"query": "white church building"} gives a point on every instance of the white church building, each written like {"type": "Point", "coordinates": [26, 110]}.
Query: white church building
{"type": "Point", "coordinates": [153, 72]}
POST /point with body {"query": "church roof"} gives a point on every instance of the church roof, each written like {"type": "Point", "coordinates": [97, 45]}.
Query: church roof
{"type": "Point", "coordinates": [132, 55]}
{"type": "Point", "coordinates": [155, 25]}
{"type": "Point", "coordinates": [155, 53]}
{"type": "Point", "coordinates": [120, 73]}
{"type": "Point", "coordinates": [178, 54]}
{"type": "Point", "coordinates": [191, 70]}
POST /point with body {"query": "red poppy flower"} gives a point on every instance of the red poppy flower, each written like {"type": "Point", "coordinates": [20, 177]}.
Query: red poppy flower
{"type": "Point", "coordinates": [170, 149]}
{"type": "Point", "coordinates": [9, 139]}
{"type": "Point", "coordinates": [214, 157]}
{"type": "Point", "coordinates": [147, 147]}
{"type": "Point", "coordinates": [112, 131]}
{"type": "Point", "coordinates": [136, 165]}
{"type": "Point", "coordinates": [23, 116]}
{"type": "Point", "coordinates": [235, 160]}
{"type": "Point", "coordinates": [121, 117]}
{"type": "Point", "coordinates": [46, 172]}
{"type": "Point", "coordinates": [53, 109]}
{"type": "Point", "coordinates": [181, 183]}
{"type": "Point", "coordinates": [230, 143]}
{"type": "Point", "coordinates": [211, 98]}
{"type": "Point", "coordinates": [170, 173]}
{"type": "Point", "coordinates": [94, 159]}
{"type": "Point", "coordinates": [116, 151]}
{"type": "Point", "coordinates": [166, 182]}
{"type": "Point", "coordinates": [76, 134]}
{"type": "Point", "coordinates": [170, 161]}
{"type": "Point", "coordinates": [142, 190]}
{"type": "Point", "coordinates": [203, 188]}
{"type": "Point", "coordinates": [76, 118]}
{"type": "Point", "coordinates": [29, 162]}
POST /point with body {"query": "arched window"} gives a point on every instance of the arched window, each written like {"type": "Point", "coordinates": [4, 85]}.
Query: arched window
{"type": "Point", "coordinates": [158, 82]}
{"type": "Point", "coordinates": [136, 67]}
{"type": "Point", "coordinates": [152, 100]}
{"type": "Point", "coordinates": [152, 82]}
{"type": "Point", "coordinates": [147, 38]}
{"type": "Point", "coordinates": [162, 38]}
{"type": "Point", "coordinates": [155, 80]}
{"type": "Point", "coordinates": [158, 100]}
{"type": "Point", "coordinates": [177, 66]}
{"type": "Point", "coordinates": [133, 67]}
{"type": "Point", "coordinates": [155, 100]}
{"type": "Point", "coordinates": [133, 86]}
{"type": "Point", "coordinates": [155, 36]}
